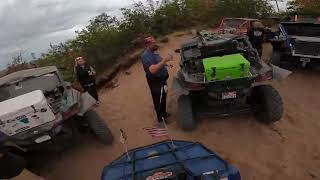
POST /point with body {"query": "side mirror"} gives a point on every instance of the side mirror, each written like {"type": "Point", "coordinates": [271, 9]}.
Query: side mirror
{"type": "Point", "coordinates": [177, 50]}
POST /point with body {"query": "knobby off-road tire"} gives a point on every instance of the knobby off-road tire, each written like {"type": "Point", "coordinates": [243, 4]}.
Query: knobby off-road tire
{"type": "Point", "coordinates": [266, 104]}
{"type": "Point", "coordinates": [185, 112]}
{"type": "Point", "coordinates": [98, 126]}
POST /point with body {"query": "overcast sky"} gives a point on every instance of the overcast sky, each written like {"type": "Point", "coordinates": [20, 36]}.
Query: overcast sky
{"type": "Point", "coordinates": [30, 25]}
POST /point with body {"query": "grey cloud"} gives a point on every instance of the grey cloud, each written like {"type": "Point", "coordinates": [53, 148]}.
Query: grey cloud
{"type": "Point", "coordinates": [31, 25]}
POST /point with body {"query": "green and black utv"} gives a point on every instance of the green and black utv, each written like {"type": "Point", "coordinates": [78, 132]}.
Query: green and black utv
{"type": "Point", "coordinates": [222, 75]}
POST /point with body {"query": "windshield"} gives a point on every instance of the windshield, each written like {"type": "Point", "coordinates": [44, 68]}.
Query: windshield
{"type": "Point", "coordinates": [232, 23]}
{"type": "Point", "coordinates": [45, 83]}
{"type": "Point", "coordinates": [302, 29]}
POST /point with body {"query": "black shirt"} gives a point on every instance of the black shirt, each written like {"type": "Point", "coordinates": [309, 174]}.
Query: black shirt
{"type": "Point", "coordinates": [83, 75]}
{"type": "Point", "coordinates": [150, 58]}
{"type": "Point", "coordinates": [256, 37]}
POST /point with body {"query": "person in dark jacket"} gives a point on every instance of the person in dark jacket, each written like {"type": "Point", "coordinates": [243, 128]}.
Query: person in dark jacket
{"type": "Point", "coordinates": [260, 38]}
{"type": "Point", "coordinates": [86, 77]}
{"type": "Point", "coordinates": [155, 68]}
{"type": "Point", "coordinates": [256, 35]}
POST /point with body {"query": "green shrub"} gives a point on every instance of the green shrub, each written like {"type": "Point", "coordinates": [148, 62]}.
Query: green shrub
{"type": "Point", "coordinates": [105, 39]}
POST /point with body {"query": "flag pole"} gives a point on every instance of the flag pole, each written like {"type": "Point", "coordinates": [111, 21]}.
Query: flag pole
{"type": "Point", "coordinates": [164, 121]}
{"type": "Point", "coordinates": [165, 126]}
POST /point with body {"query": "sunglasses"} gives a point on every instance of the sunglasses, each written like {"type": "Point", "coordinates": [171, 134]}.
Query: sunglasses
{"type": "Point", "coordinates": [78, 58]}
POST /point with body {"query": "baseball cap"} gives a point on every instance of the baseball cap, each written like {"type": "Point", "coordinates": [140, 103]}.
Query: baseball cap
{"type": "Point", "coordinates": [148, 41]}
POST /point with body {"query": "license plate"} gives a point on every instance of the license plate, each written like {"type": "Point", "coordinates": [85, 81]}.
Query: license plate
{"type": "Point", "coordinates": [43, 139]}
{"type": "Point", "coordinates": [305, 59]}
{"type": "Point", "coordinates": [229, 95]}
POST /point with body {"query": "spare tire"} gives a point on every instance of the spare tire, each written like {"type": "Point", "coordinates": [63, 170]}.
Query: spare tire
{"type": "Point", "coordinates": [266, 104]}
{"type": "Point", "coordinates": [99, 127]}
{"type": "Point", "coordinates": [186, 115]}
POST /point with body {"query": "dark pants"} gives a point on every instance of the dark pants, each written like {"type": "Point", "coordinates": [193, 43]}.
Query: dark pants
{"type": "Point", "coordinates": [157, 92]}
{"type": "Point", "coordinates": [92, 90]}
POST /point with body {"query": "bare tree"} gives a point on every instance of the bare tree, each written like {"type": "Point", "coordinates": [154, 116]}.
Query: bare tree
{"type": "Point", "coordinates": [277, 3]}
{"type": "Point", "coordinates": [33, 56]}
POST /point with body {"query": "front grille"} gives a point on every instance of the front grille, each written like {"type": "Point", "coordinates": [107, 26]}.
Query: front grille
{"type": "Point", "coordinates": [307, 48]}
{"type": "Point", "coordinates": [55, 104]}
{"type": "Point", "coordinates": [39, 129]}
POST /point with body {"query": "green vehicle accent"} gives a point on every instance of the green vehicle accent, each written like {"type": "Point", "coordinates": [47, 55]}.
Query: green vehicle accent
{"type": "Point", "coordinates": [228, 67]}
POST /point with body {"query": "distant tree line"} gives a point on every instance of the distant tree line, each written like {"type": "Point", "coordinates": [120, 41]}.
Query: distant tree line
{"type": "Point", "coordinates": [106, 38]}
{"type": "Point", "coordinates": [308, 7]}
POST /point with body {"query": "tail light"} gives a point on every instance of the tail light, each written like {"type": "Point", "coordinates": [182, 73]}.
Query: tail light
{"type": "Point", "coordinates": [71, 112]}
{"type": "Point", "coordinates": [194, 86]}
{"type": "Point", "coordinates": [284, 45]}
{"type": "Point", "coordinates": [264, 77]}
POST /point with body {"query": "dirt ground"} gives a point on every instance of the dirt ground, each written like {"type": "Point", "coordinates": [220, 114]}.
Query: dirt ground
{"type": "Point", "coordinates": [289, 149]}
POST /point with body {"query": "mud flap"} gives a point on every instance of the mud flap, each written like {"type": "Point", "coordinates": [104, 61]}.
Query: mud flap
{"type": "Point", "coordinates": [280, 74]}
{"type": "Point", "coordinates": [177, 88]}
{"type": "Point", "coordinates": [87, 102]}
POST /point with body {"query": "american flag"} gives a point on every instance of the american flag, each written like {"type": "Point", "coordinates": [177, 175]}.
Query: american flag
{"type": "Point", "coordinates": [123, 137]}
{"type": "Point", "coordinates": [157, 131]}
{"type": "Point", "coordinates": [123, 140]}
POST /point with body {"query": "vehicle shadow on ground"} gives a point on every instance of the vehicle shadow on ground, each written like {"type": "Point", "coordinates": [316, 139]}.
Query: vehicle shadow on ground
{"type": "Point", "coordinates": [43, 161]}
{"type": "Point", "coordinates": [297, 67]}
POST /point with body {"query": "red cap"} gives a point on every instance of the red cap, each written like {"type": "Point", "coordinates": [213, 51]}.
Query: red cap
{"type": "Point", "coordinates": [148, 41]}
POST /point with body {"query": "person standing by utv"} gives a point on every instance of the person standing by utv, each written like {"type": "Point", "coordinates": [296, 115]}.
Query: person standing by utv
{"type": "Point", "coordinates": [157, 75]}
{"type": "Point", "coordinates": [260, 37]}
{"type": "Point", "coordinates": [256, 35]}
{"type": "Point", "coordinates": [86, 77]}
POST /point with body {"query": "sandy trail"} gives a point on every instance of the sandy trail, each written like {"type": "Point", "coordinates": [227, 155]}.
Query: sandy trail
{"type": "Point", "coordinates": [289, 149]}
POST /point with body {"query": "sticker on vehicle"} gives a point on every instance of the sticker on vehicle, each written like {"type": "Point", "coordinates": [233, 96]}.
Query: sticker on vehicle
{"type": "Point", "coordinates": [160, 175]}
{"type": "Point", "coordinates": [229, 95]}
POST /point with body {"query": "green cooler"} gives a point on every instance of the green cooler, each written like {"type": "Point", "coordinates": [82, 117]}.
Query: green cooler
{"type": "Point", "coordinates": [227, 67]}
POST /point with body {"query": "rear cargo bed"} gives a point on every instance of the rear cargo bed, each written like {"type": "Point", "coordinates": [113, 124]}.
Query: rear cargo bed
{"type": "Point", "coordinates": [171, 159]}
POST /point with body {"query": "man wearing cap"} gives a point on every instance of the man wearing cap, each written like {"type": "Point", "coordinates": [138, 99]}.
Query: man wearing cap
{"type": "Point", "coordinates": [156, 71]}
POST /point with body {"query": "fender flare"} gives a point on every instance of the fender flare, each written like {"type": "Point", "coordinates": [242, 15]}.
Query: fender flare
{"type": "Point", "coordinates": [178, 88]}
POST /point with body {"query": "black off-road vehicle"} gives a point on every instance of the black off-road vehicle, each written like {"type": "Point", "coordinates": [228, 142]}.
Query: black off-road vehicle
{"type": "Point", "coordinates": [301, 42]}
{"type": "Point", "coordinates": [221, 75]}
